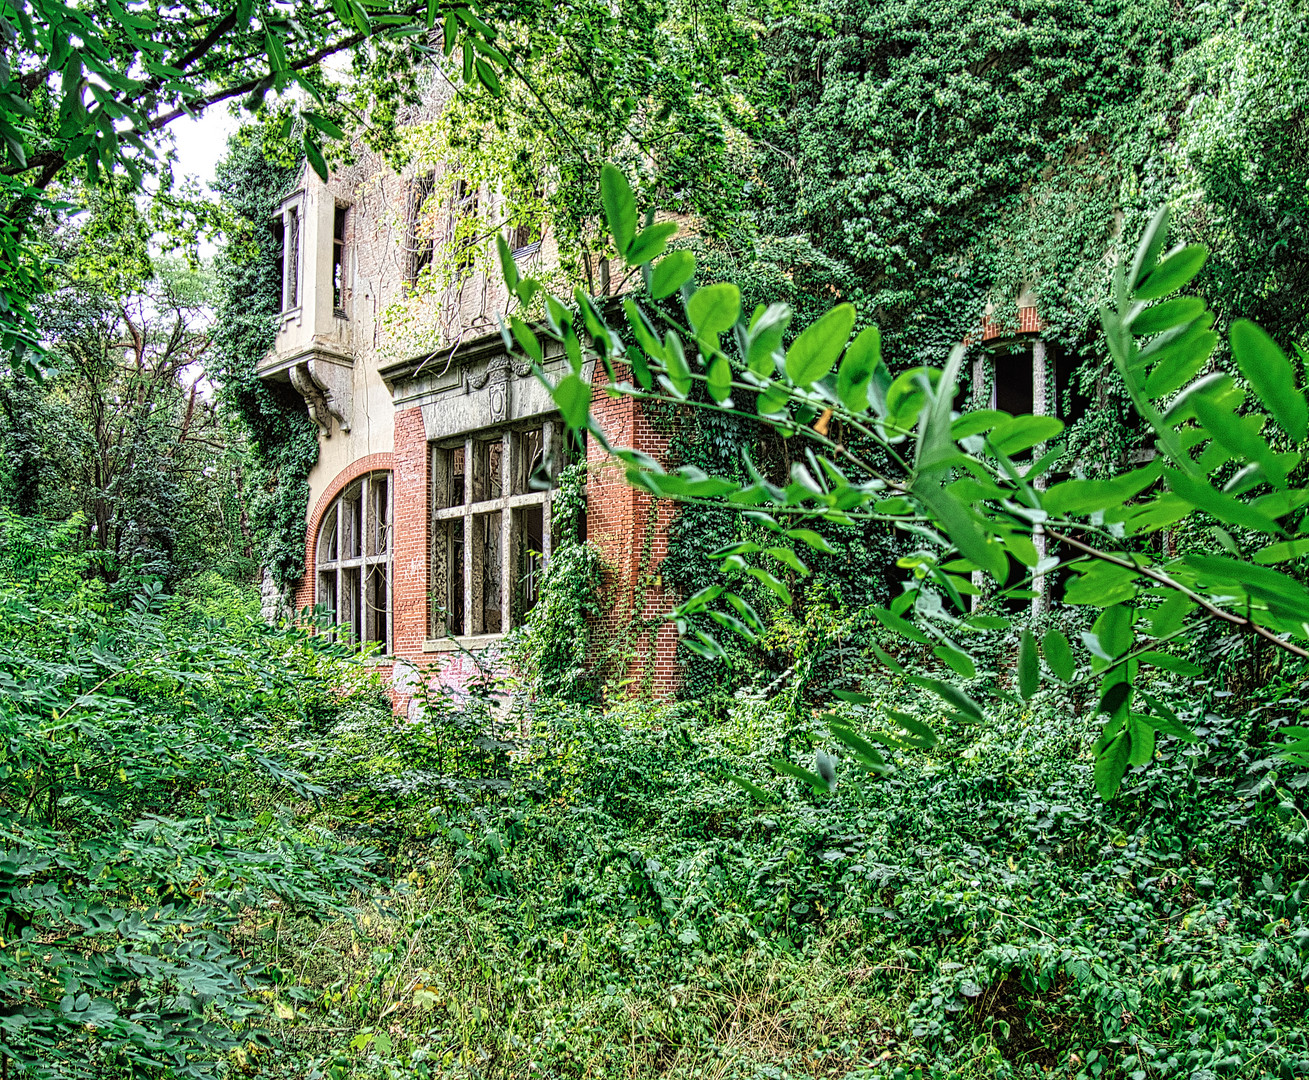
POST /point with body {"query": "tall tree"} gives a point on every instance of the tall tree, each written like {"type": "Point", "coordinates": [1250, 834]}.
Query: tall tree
{"type": "Point", "coordinates": [124, 433]}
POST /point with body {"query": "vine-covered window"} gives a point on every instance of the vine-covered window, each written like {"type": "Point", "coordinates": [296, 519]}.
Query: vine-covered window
{"type": "Point", "coordinates": [463, 207]}
{"type": "Point", "coordinates": [490, 526]}
{"type": "Point", "coordinates": [353, 560]}
{"type": "Point", "coordinates": [418, 238]}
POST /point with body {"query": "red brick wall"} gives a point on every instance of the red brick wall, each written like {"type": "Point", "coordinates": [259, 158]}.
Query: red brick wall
{"type": "Point", "coordinates": [618, 520]}
{"type": "Point", "coordinates": [409, 571]}
{"type": "Point", "coordinates": [1029, 322]}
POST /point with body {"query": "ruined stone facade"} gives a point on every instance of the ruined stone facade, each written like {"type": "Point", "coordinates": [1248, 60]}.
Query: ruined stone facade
{"type": "Point", "coordinates": [423, 532]}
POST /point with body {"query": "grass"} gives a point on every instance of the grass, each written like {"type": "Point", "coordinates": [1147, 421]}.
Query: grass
{"type": "Point", "coordinates": [612, 907]}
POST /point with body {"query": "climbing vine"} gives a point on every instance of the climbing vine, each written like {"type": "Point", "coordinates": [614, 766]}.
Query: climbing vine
{"type": "Point", "coordinates": [927, 177]}
{"type": "Point", "coordinates": [550, 651]}
{"type": "Point", "coordinates": [257, 172]}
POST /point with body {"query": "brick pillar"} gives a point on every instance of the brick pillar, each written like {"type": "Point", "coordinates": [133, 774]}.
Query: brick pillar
{"type": "Point", "coordinates": [620, 521]}
{"type": "Point", "coordinates": [409, 568]}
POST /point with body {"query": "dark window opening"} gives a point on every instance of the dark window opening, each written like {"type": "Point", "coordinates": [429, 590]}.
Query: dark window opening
{"type": "Point", "coordinates": [279, 242]}
{"type": "Point", "coordinates": [488, 573]}
{"type": "Point", "coordinates": [488, 463]}
{"type": "Point", "coordinates": [528, 545]}
{"type": "Point", "coordinates": [1013, 382]}
{"type": "Point", "coordinates": [291, 267]}
{"type": "Point", "coordinates": [529, 460]}
{"type": "Point", "coordinates": [520, 236]}
{"type": "Point", "coordinates": [420, 225]}
{"type": "Point", "coordinates": [448, 578]}
{"type": "Point", "coordinates": [338, 263]}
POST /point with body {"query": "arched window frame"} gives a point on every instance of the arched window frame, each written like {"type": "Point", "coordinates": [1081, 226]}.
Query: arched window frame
{"type": "Point", "coordinates": [352, 559]}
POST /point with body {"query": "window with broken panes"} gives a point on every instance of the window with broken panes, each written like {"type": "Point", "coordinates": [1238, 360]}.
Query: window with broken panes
{"type": "Point", "coordinates": [286, 237]}
{"type": "Point", "coordinates": [418, 231]}
{"type": "Point", "coordinates": [490, 527]}
{"type": "Point", "coordinates": [353, 560]}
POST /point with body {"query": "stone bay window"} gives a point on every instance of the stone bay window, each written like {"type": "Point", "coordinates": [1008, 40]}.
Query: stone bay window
{"type": "Point", "coordinates": [490, 532]}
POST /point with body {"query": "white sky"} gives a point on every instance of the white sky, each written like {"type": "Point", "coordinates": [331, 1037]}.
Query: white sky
{"type": "Point", "coordinates": [200, 143]}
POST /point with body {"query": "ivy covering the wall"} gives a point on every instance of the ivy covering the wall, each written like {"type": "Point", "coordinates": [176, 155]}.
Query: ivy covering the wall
{"type": "Point", "coordinates": [551, 650]}
{"type": "Point", "coordinates": [258, 171]}
{"type": "Point", "coordinates": [927, 175]}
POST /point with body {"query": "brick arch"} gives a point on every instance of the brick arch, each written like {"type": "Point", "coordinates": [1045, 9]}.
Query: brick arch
{"type": "Point", "coordinates": [304, 593]}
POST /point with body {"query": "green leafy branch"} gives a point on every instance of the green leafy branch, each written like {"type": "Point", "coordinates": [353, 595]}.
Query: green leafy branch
{"type": "Point", "coordinates": [964, 485]}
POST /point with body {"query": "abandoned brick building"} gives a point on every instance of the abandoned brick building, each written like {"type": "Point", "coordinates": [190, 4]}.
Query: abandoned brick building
{"type": "Point", "coordinates": [423, 532]}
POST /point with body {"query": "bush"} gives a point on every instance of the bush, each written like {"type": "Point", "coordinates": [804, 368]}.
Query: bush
{"type": "Point", "coordinates": [145, 816]}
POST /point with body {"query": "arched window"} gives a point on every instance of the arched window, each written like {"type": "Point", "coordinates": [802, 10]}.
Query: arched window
{"type": "Point", "coordinates": [353, 559]}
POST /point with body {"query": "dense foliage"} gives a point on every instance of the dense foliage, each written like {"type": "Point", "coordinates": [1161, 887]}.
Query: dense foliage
{"type": "Point", "coordinates": [122, 431]}
{"type": "Point", "coordinates": [898, 827]}
{"type": "Point", "coordinates": [146, 815]}
{"type": "Point", "coordinates": [554, 651]}
{"type": "Point", "coordinates": [603, 902]}
{"type": "Point", "coordinates": [257, 172]}
{"type": "Point", "coordinates": [982, 490]}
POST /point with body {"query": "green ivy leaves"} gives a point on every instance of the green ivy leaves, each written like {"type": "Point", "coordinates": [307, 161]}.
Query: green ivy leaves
{"type": "Point", "coordinates": [974, 487]}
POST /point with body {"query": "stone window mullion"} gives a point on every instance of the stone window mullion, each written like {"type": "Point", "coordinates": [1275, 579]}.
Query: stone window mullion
{"type": "Point", "coordinates": [507, 565]}
{"type": "Point", "coordinates": [467, 568]}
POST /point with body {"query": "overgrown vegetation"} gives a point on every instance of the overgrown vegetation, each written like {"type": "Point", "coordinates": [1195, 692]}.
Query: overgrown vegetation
{"type": "Point", "coordinates": [897, 826]}
{"type": "Point", "coordinates": [603, 901]}
{"type": "Point", "coordinates": [148, 812]}
{"type": "Point", "coordinates": [257, 172]}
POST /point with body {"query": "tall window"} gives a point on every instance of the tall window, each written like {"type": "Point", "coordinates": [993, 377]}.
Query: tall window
{"type": "Point", "coordinates": [338, 263]}
{"type": "Point", "coordinates": [419, 239]}
{"type": "Point", "coordinates": [490, 527]}
{"type": "Point", "coordinates": [290, 245]}
{"type": "Point", "coordinates": [353, 560]}
{"type": "Point", "coordinates": [463, 206]}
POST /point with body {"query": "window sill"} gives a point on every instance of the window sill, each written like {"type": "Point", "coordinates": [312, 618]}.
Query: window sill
{"type": "Point", "coordinates": [459, 644]}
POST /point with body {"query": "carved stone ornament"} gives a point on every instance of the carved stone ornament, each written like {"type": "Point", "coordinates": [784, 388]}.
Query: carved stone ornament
{"type": "Point", "coordinates": [494, 378]}
{"type": "Point", "coordinates": [328, 392]}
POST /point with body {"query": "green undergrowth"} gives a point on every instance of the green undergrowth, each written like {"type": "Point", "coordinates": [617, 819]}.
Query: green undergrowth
{"type": "Point", "coordinates": [580, 894]}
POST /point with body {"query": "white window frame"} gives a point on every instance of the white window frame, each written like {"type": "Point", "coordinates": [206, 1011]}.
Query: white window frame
{"type": "Point", "coordinates": [291, 257]}
{"type": "Point", "coordinates": [457, 524]}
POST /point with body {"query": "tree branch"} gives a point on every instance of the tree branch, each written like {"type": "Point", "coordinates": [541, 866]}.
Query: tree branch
{"type": "Point", "coordinates": [1239, 621]}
